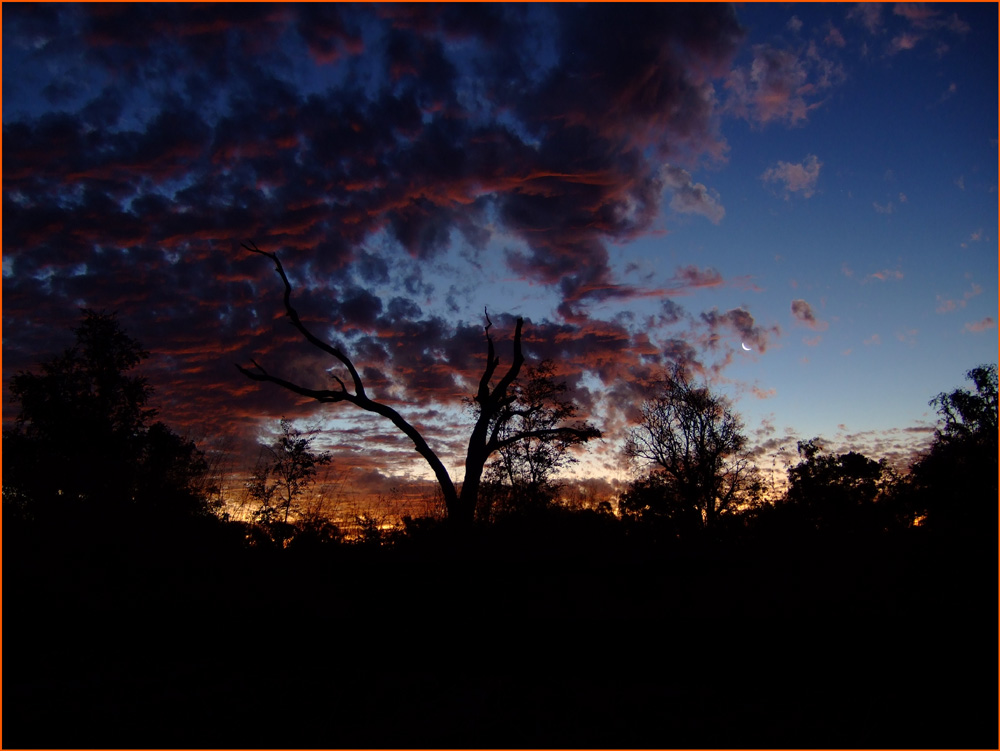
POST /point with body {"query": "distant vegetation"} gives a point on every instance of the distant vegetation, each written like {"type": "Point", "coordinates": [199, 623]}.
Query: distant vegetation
{"type": "Point", "coordinates": [86, 443]}
{"type": "Point", "coordinates": [111, 518]}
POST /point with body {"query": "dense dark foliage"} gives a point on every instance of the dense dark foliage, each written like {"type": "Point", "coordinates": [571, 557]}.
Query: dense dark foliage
{"type": "Point", "coordinates": [842, 495]}
{"type": "Point", "coordinates": [854, 613]}
{"type": "Point", "coordinates": [85, 440]}
{"type": "Point", "coordinates": [956, 481]}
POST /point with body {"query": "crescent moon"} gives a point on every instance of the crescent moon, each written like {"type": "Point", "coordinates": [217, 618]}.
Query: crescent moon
{"type": "Point", "coordinates": [745, 347]}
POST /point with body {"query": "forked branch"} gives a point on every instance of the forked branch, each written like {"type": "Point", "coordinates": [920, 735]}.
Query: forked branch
{"type": "Point", "coordinates": [359, 398]}
{"type": "Point", "coordinates": [494, 403]}
{"type": "Point", "coordinates": [293, 316]}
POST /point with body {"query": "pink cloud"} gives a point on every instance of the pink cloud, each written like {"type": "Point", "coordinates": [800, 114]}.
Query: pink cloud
{"type": "Point", "coordinates": [904, 41]}
{"type": "Point", "coordinates": [691, 197]}
{"type": "Point", "coordinates": [983, 325]}
{"type": "Point", "coordinates": [797, 178]}
{"type": "Point", "coordinates": [690, 277]}
{"type": "Point", "coordinates": [835, 38]}
{"type": "Point", "coordinates": [803, 313]}
{"type": "Point", "coordinates": [780, 85]}
{"type": "Point", "coordinates": [947, 305]}
{"type": "Point", "coordinates": [868, 15]}
{"type": "Point", "coordinates": [885, 275]}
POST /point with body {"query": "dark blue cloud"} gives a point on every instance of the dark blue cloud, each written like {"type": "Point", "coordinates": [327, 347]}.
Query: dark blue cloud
{"type": "Point", "coordinates": [145, 140]}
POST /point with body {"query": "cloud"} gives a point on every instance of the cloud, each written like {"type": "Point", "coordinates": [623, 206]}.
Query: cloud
{"type": "Point", "coordinates": [835, 38]}
{"type": "Point", "coordinates": [739, 322]}
{"type": "Point", "coordinates": [975, 237]}
{"type": "Point", "coordinates": [780, 85]}
{"type": "Point", "coordinates": [802, 312]}
{"type": "Point", "coordinates": [906, 40]}
{"type": "Point", "coordinates": [690, 277]}
{"type": "Point", "coordinates": [980, 326]}
{"type": "Point", "coordinates": [423, 159]}
{"type": "Point", "coordinates": [909, 25]}
{"type": "Point", "coordinates": [925, 17]}
{"type": "Point", "coordinates": [923, 22]}
{"type": "Point", "coordinates": [365, 144]}
{"type": "Point", "coordinates": [690, 197]}
{"type": "Point", "coordinates": [948, 305]}
{"type": "Point", "coordinates": [884, 275]}
{"type": "Point", "coordinates": [868, 15]}
{"type": "Point", "coordinates": [795, 178]}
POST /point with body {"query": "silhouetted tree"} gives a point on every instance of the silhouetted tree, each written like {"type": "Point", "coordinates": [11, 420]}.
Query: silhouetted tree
{"type": "Point", "coordinates": [520, 475]}
{"type": "Point", "coordinates": [652, 501]}
{"type": "Point", "coordinates": [85, 437]}
{"type": "Point", "coordinates": [839, 492]}
{"type": "Point", "coordinates": [956, 482]}
{"type": "Point", "coordinates": [492, 402]}
{"type": "Point", "coordinates": [289, 466]}
{"type": "Point", "coordinates": [695, 445]}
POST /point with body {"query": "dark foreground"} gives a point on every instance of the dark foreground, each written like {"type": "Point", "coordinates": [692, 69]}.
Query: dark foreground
{"type": "Point", "coordinates": [881, 643]}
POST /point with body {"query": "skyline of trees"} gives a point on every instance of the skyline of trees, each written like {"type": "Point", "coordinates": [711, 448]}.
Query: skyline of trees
{"type": "Point", "coordinates": [693, 444]}
{"type": "Point", "coordinates": [174, 611]}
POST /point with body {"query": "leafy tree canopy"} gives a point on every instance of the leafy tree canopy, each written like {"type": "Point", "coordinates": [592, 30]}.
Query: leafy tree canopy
{"type": "Point", "coordinates": [85, 433]}
{"type": "Point", "coordinates": [970, 417]}
{"type": "Point", "coordinates": [956, 482]}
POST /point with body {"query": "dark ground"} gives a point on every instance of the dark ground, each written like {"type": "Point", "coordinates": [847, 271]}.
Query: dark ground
{"type": "Point", "coordinates": [181, 642]}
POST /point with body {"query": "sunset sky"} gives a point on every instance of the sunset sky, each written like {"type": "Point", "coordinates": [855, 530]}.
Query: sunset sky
{"type": "Point", "coordinates": [641, 183]}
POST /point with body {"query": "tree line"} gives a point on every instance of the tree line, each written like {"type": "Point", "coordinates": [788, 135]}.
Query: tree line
{"type": "Point", "coordinates": [694, 613]}
{"type": "Point", "coordinates": [87, 441]}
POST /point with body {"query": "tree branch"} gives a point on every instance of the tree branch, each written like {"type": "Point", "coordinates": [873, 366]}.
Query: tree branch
{"type": "Point", "coordinates": [359, 399]}
{"type": "Point", "coordinates": [293, 316]}
{"type": "Point", "coordinates": [575, 435]}
{"type": "Point", "coordinates": [320, 395]}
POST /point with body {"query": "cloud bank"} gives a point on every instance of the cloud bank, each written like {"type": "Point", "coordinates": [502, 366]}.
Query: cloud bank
{"type": "Point", "coordinates": [370, 146]}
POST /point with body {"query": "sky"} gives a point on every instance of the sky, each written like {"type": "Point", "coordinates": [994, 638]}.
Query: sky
{"type": "Point", "coordinates": [799, 202]}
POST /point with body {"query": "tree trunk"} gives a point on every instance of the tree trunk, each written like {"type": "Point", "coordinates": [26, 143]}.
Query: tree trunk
{"type": "Point", "coordinates": [468, 499]}
{"type": "Point", "coordinates": [461, 507]}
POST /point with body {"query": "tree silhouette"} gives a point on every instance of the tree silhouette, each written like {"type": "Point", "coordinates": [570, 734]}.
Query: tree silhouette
{"type": "Point", "coordinates": [956, 482]}
{"type": "Point", "coordinates": [694, 442]}
{"type": "Point", "coordinates": [839, 492]}
{"type": "Point", "coordinates": [85, 436]}
{"type": "Point", "coordinates": [520, 475]}
{"type": "Point", "coordinates": [289, 467]}
{"type": "Point", "coordinates": [492, 401]}
{"type": "Point", "coordinates": [651, 500]}
{"type": "Point", "coordinates": [970, 418]}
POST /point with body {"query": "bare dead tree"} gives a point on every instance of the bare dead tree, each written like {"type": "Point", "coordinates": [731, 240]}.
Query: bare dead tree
{"type": "Point", "coordinates": [488, 433]}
